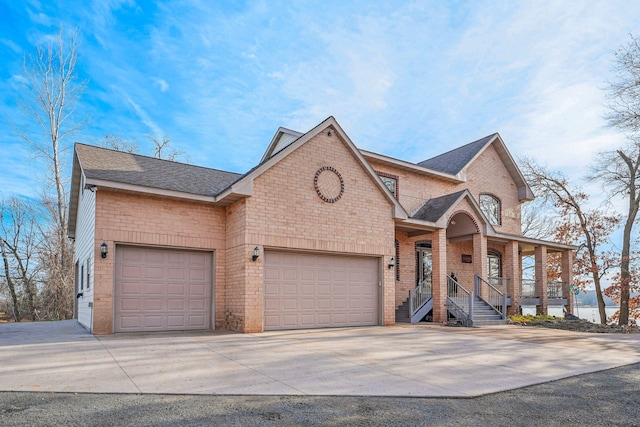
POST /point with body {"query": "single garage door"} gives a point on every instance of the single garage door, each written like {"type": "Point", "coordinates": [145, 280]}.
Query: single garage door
{"type": "Point", "coordinates": [318, 291]}
{"type": "Point", "coordinates": [162, 289]}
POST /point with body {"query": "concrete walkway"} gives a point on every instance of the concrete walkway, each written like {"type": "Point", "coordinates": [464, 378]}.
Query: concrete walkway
{"type": "Point", "coordinates": [425, 360]}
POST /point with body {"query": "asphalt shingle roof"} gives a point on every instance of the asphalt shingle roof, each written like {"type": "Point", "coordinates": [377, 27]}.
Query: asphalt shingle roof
{"type": "Point", "coordinates": [433, 209]}
{"type": "Point", "coordinates": [453, 161]}
{"type": "Point", "coordinates": [117, 166]}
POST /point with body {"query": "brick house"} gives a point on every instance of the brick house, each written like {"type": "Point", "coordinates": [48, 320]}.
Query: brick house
{"type": "Point", "coordinates": [318, 234]}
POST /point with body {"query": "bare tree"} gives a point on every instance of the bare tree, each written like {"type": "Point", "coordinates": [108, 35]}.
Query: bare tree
{"type": "Point", "coordinates": [51, 93]}
{"type": "Point", "coordinates": [19, 234]}
{"type": "Point", "coordinates": [538, 222]}
{"type": "Point", "coordinates": [624, 93]}
{"type": "Point", "coordinates": [117, 143]}
{"type": "Point", "coordinates": [163, 150]}
{"type": "Point", "coordinates": [589, 229]}
{"type": "Point", "coordinates": [618, 170]}
{"type": "Point", "coordinates": [619, 173]}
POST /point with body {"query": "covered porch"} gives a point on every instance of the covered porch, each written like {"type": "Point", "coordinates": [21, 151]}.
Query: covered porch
{"type": "Point", "coordinates": [468, 273]}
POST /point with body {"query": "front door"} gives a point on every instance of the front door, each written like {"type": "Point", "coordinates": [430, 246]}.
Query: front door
{"type": "Point", "coordinates": [494, 268]}
{"type": "Point", "coordinates": [425, 266]}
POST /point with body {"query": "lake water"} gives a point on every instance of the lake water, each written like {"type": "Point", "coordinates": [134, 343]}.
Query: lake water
{"type": "Point", "coordinates": [587, 313]}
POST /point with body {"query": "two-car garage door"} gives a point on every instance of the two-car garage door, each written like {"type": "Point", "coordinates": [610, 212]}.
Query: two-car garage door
{"type": "Point", "coordinates": [162, 289]}
{"type": "Point", "coordinates": [304, 290]}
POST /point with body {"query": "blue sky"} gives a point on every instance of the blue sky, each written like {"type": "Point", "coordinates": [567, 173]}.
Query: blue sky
{"type": "Point", "coordinates": [409, 79]}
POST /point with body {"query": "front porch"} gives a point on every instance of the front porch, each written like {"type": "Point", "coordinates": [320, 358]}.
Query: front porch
{"type": "Point", "coordinates": [460, 274]}
{"type": "Point", "coordinates": [484, 305]}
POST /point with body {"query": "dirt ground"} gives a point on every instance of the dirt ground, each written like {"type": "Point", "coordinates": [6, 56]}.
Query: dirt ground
{"type": "Point", "coordinates": [579, 325]}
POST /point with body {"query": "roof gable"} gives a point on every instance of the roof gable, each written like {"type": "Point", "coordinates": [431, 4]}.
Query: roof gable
{"type": "Point", "coordinates": [331, 126]}
{"type": "Point", "coordinates": [438, 210]}
{"type": "Point", "coordinates": [283, 138]}
{"type": "Point", "coordinates": [457, 161]}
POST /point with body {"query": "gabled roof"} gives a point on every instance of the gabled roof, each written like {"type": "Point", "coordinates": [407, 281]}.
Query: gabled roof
{"type": "Point", "coordinates": [433, 209]}
{"type": "Point", "coordinates": [452, 162]}
{"type": "Point", "coordinates": [116, 166]}
{"type": "Point", "coordinates": [280, 140]}
{"type": "Point", "coordinates": [456, 161]}
{"type": "Point", "coordinates": [273, 156]}
{"type": "Point", "coordinates": [133, 172]}
{"type": "Point", "coordinates": [436, 211]}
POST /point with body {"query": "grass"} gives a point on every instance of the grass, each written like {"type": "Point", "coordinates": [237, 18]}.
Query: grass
{"type": "Point", "coordinates": [522, 318]}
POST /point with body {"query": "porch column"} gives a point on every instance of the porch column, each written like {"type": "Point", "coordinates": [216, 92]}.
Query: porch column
{"type": "Point", "coordinates": [541, 279]}
{"type": "Point", "coordinates": [479, 256]}
{"type": "Point", "coordinates": [511, 270]}
{"type": "Point", "coordinates": [439, 274]}
{"type": "Point", "coordinates": [567, 278]}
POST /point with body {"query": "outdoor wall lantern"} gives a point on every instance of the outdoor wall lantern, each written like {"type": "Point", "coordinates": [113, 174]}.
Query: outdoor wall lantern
{"type": "Point", "coordinates": [392, 263]}
{"type": "Point", "coordinates": [104, 250]}
{"type": "Point", "coordinates": [256, 253]}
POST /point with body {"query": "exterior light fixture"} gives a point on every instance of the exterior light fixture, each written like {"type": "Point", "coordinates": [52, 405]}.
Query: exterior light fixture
{"type": "Point", "coordinates": [392, 263]}
{"type": "Point", "coordinates": [104, 250]}
{"type": "Point", "coordinates": [256, 253]}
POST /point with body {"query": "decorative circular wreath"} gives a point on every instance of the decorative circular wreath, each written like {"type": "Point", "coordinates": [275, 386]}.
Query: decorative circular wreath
{"type": "Point", "coordinates": [328, 184]}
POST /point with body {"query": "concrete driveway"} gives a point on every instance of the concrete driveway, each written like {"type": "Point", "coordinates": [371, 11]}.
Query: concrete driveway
{"type": "Point", "coordinates": [408, 360]}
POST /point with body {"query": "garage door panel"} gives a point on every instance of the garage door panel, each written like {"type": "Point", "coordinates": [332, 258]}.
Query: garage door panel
{"type": "Point", "coordinates": [313, 290]}
{"type": "Point", "coordinates": [131, 272]}
{"type": "Point", "coordinates": [289, 274]}
{"type": "Point", "coordinates": [153, 304]}
{"type": "Point", "coordinates": [197, 321]}
{"type": "Point", "coordinates": [154, 322]}
{"type": "Point", "coordinates": [170, 294]}
{"type": "Point", "coordinates": [177, 304]}
{"type": "Point", "coordinates": [152, 289]}
{"type": "Point", "coordinates": [175, 321]}
{"type": "Point", "coordinates": [130, 288]}
{"type": "Point", "coordinates": [130, 304]}
{"type": "Point", "coordinates": [197, 274]}
{"type": "Point", "coordinates": [196, 305]}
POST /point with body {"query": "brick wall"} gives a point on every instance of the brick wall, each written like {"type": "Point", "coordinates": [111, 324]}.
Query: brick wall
{"type": "Point", "coordinates": [137, 219]}
{"type": "Point", "coordinates": [487, 174]}
{"type": "Point", "coordinates": [286, 212]}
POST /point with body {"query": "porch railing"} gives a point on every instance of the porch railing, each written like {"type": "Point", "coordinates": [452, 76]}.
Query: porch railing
{"type": "Point", "coordinates": [528, 288]}
{"type": "Point", "coordinates": [492, 296]}
{"type": "Point", "coordinates": [419, 295]}
{"type": "Point", "coordinates": [500, 283]}
{"type": "Point", "coordinates": [460, 301]}
{"type": "Point", "coordinates": [554, 289]}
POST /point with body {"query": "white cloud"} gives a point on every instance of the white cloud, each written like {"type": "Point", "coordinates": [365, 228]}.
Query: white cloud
{"type": "Point", "coordinates": [145, 118]}
{"type": "Point", "coordinates": [161, 83]}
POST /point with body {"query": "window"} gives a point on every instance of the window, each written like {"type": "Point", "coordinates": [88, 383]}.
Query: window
{"type": "Point", "coordinates": [88, 273]}
{"type": "Point", "coordinates": [490, 206]}
{"type": "Point", "coordinates": [391, 181]}
{"type": "Point", "coordinates": [82, 277]}
{"type": "Point", "coordinates": [494, 264]}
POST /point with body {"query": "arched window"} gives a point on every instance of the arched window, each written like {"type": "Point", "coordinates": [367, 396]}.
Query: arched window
{"type": "Point", "coordinates": [491, 208]}
{"type": "Point", "coordinates": [494, 264]}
